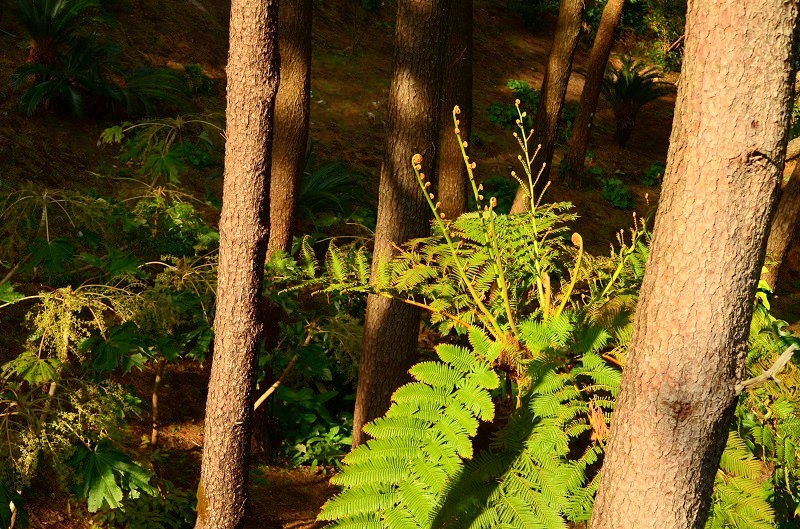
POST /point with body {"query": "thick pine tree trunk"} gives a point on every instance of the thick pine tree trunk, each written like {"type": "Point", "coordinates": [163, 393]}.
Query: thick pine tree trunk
{"type": "Point", "coordinates": [456, 90]}
{"type": "Point", "coordinates": [252, 85]}
{"type": "Point", "coordinates": [391, 328]}
{"type": "Point", "coordinates": [292, 110]}
{"type": "Point", "coordinates": [554, 88]}
{"type": "Point", "coordinates": [783, 227]}
{"type": "Point", "coordinates": [598, 59]}
{"type": "Point", "coordinates": [690, 339]}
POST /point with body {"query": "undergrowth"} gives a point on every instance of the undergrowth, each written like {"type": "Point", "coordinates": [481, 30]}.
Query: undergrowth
{"type": "Point", "coordinates": [538, 332]}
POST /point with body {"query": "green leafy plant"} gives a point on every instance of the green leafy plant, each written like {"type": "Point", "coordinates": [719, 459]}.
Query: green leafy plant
{"type": "Point", "coordinates": [68, 68]}
{"type": "Point", "coordinates": [507, 115]}
{"type": "Point", "coordinates": [164, 148]}
{"type": "Point", "coordinates": [617, 193]}
{"type": "Point", "coordinates": [652, 175]}
{"type": "Point", "coordinates": [562, 373]}
{"type": "Point", "coordinates": [198, 80]}
{"type": "Point", "coordinates": [627, 88]}
{"type": "Point", "coordinates": [170, 508]}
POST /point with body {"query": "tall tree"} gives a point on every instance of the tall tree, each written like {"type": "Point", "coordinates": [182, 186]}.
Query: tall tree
{"type": "Point", "coordinates": [690, 338]}
{"type": "Point", "coordinates": [292, 111]}
{"type": "Point", "coordinates": [456, 90]}
{"type": "Point", "coordinates": [554, 88]}
{"type": "Point", "coordinates": [784, 225]}
{"type": "Point", "coordinates": [391, 328]}
{"type": "Point", "coordinates": [598, 59]}
{"type": "Point", "coordinates": [252, 85]}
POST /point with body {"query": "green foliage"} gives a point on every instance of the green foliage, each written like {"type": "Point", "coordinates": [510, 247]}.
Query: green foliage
{"type": "Point", "coordinates": [105, 474]}
{"type": "Point", "coordinates": [329, 192]}
{"type": "Point", "coordinates": [534, 12]}
{"type": "Point", "coordinates": [163, 149]}
{"type": "Point", "coordinates": [506, 115]}
{"type": "Point", "coordinates": [627, 88]}
{"type": "Point", "coordinates": [503, 188]}
{"type": "Point", "coordinates": [69, 69]}
{"type": "Point", "coordinates": [617, 193]}
{"type": "Point", "coordinates": [559, 353]}
{"type": "Point", "coordinates": [169, 508]}
{"type": "Point", "coordinates": [198, 80]}
{"type": "Point", "coordinates": [654, 174]}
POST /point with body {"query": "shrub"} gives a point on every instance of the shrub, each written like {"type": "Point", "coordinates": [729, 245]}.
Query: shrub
{"type": "Point", "coordinates": [617, 194]}
{"type": "Point", "coordinates": [628, 88]}
{"type": "Point", "coordinates": [69, 69]}
{"type": "Point", "coordinates": [654, 174]}
{"type": "Point", "coordinates": [506, 115]}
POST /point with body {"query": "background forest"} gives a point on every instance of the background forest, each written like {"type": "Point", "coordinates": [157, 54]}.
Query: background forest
{"type": "Point", "coordinates": [112, 154]}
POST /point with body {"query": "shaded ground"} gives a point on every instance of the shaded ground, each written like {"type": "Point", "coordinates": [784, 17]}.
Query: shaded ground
{"type": "Point", "coordinates": [351, 71]}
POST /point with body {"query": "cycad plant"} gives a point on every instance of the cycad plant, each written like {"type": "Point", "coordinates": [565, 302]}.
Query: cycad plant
{"type": "Point", "coordinates": [52, 25]}
{"type": "Point", "coordinates": [627, 88]}
{"type": "Point", "coordinates": [70, 68]}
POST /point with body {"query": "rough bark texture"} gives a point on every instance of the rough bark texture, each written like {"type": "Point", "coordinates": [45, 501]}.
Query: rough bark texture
{"type": "Point", "coordinates": [252, 84]}
{"type": "Point", "coordinates": [456, 90]}
{"type": "Point", "coordinates": [690, 338]}
{"type": "Point", "coordinates": [783, 227]}
{"type": "Point", "coordinates": [598, 59]}
{"type": "Point", "coordinates": [391, 328]}
{"type": "Point", "coordinates": [554, 88]}
{"type": "Point", "coordinates": [292, 110]}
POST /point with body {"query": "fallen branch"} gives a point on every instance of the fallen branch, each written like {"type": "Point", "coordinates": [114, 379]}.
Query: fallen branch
{"type": "Point", "coordinates": [770, 373]}
{"type": "Point", "coordinates": [277, 383]}
{"type": "Point", "coordinates": [677, 43]}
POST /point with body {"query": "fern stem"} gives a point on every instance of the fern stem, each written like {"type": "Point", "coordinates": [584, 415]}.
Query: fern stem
{"type": "Point", "coordinates": [498, 331]}
{"type": "Point", "coordinates": [426, 307]}
{"type": "Point", "coordinates": [578, 241]}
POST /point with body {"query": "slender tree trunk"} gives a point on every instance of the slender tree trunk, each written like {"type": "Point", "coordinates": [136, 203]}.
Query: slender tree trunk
{"type": "Point", "coordinates": [784, 225]}
{"type": "Point", "coordinates": [292, 110]}
{"type": "Point", "coordinates": [456, 90]}
{"type": "Point", "coordinates": [690, 338]}
{"type": "Point", "coordinates": [598, 59]}
{"type": "Point", "coordinates": [252, 85]}
{"type": "Point", "coordinates": [391, 328]}
{"type": "Point", "coordinates": [554, 88]}
{"type": "Point", "coordinates": [162, 362]}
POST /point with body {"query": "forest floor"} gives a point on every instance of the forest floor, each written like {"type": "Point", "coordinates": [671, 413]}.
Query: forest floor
{"type": "Point", "coordinates": [350, 82]}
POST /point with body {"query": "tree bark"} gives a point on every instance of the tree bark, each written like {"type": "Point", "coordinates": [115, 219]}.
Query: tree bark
{"type": "Point", "coordinates": [598, 59]}
{"type": "Point", "coordinates": [391, 328]}
{"type": "Point", "coordinates": [554, 88]}
{"type": "Point", "coordinates": [690, 337]}
{"type": "Point", "coordinates": [784, 225]}
{"type": "Point", "coordinates": [292, 110]}
{"type": "Point", "coordinates": [456, 90]}
{"type": "Point", "coordinates": [252, 85]}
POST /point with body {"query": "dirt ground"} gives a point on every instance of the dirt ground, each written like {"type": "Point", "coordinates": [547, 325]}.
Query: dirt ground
{"type": "Point", "coordinates": [351, 72]}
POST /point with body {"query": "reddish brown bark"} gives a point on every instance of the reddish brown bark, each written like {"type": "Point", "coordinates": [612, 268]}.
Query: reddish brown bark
{"type": "Point", "coordinates": [292, 110]}
{"type": "Point", "coordinates": [554, 88]}
{"type": "Point", "coordinates": [252, 85]}
{"type": "Point", "coordinates": [456, 90]}
{"type": "Point", "coordinates": [391, 328]}
{"type": "Point", "coordinates": [598, 59]}
{"type": "Point", "coordinates": [783, 227]}
{"type": "Point", "coordinates": [690, 339]}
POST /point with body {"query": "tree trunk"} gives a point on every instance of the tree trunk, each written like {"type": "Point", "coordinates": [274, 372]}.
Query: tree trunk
{"type": "Point", "coordinates": [252, 85]}
{"type": "Point", "coordinates": [554, 88]}
{"type": "Point", "coordinates": [690, 338]}
{"type": "Point", "coordinates": [456, 90]}
{"type": "Point", "coordinates": [292, 109]}
{"type": "Point", "coordinates": [391, 328]}
{"type": "Point", "coordinates": [783, 227]}
{"type": "Point", "coordinates": [598, 59]}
